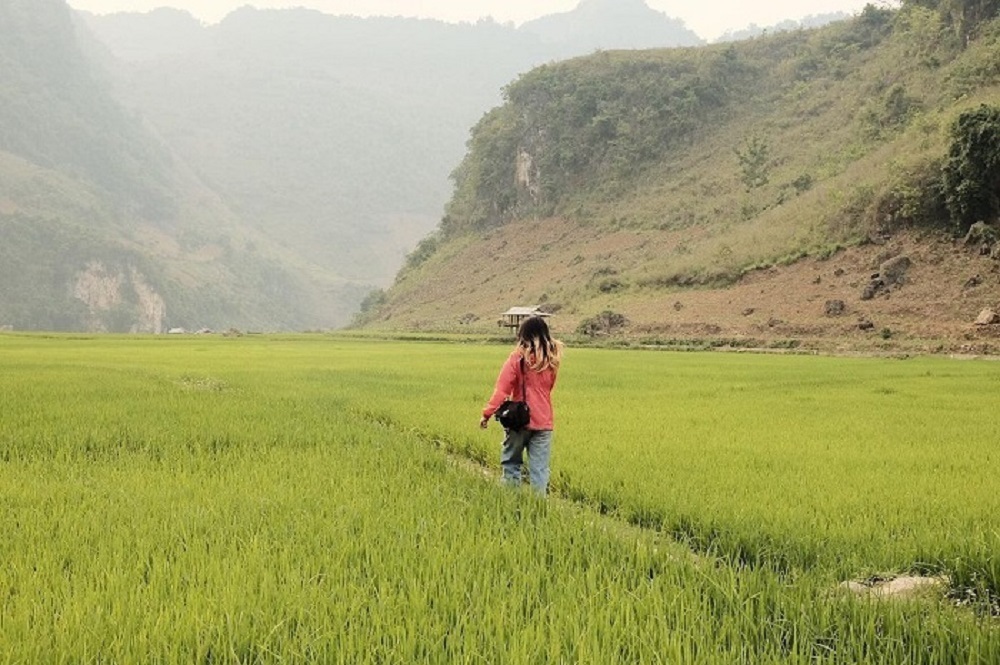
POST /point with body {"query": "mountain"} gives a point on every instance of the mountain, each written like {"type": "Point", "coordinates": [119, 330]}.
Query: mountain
{"type": "Point", "coordinates": [753, 30]}
{"type": "Point", "coordinates": [103, 227]}
{"type": "Point", "coordinates": [264, 173]}
{"type": "Point", "coordinates": [160, 33]}
{"type": "Point", "coordinates": [610, 24]}
{"type": "Point", "coordinates": [56, 114]}
{"type": "Point", "coordinates": [768, 189]}
{"type": "Point", "coordinates": [332, 138]}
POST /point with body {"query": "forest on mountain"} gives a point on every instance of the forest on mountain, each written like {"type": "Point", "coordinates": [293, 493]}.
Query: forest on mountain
{"type": "Point", "coordinates": [696, 168]}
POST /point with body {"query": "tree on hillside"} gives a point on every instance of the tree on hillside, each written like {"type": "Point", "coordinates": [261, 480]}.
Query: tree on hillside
{"type": "Point", "coordinates": [968, 15]}
{"type": "Point", "coordinates": [755, 161]}
{"type": "Point", "coordinates": [972, 171]}
{"type": "Point", "coordinates": [965, 16]}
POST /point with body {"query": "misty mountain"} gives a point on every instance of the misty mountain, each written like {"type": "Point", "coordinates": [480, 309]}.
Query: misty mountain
{"type": "Point", "coordinates": [335, 136]}
{"type": "Point", "coordinates": [265, 172]}
{"type": "Point", "coordinates": [102, 226]}
{"type": "Point", "coordinates": [754, 30]}
{"type": "Point", "coordinates": [610, 24]}
{"type": "Point", "coordinates": [55, 113]}
{"type": "Point", "coordinates": [163, 32]}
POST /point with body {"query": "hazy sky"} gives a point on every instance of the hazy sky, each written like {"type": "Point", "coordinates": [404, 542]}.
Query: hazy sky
{"type": "Point", "coordinates": [708, 18]}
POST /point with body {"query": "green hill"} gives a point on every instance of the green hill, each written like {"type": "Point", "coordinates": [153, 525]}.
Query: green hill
{"type": "Point", "coordinates": [55, 113]}
{"type": "Point", "coordinates": [102, 226]}
{"type": "Point", "coordinates": [638, 182]}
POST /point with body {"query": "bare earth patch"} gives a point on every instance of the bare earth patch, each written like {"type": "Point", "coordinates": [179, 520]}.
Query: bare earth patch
{"type": "Point", "coordinates": [932, 307]}
{"type": "Point", "coordinates": [907, 294]}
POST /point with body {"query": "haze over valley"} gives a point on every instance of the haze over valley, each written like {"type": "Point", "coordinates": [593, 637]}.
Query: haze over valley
{"type": "Point", "coordinates": [265, 172]}
{"type": "Point", "coordinates": [293, 170]}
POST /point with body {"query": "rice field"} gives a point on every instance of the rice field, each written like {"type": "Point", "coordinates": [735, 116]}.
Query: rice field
{"type": "Point", "coordinates": [326, 499]}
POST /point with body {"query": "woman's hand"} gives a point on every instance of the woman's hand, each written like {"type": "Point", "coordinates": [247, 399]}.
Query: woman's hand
{"type": "Point", "coordinates": [484, 421]}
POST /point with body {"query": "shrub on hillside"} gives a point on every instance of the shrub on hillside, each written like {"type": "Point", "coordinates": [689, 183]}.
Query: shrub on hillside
{"type": "Point", "coordinates": [914, 196]}
{"type": "Point", "coordinates": [369, 308]}
{"type": "Point", "coordinates": [972, 171]}
{"type": "Point", "coordinates": [423, 251]}
{"type": "Point", "coordinates": [605, 323]}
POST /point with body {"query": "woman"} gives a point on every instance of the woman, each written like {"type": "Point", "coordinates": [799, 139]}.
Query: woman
{"type": "Point", "coordinates": [541, 355]}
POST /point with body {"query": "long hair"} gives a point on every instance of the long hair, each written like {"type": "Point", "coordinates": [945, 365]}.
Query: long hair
{"type": "Point", "coordinates": [537, 346]}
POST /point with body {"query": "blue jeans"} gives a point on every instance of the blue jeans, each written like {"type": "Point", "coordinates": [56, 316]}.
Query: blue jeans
{"type": "Point", "coordinates": [538, 443]}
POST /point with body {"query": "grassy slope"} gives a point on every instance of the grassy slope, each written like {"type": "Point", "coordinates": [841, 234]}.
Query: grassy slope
{"type": "Point", "coordinates": [861, 125]}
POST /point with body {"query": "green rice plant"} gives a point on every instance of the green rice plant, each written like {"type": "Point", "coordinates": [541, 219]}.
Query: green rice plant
{"type": "Point", "coordinates": [859, 464]}
{"type": "Point", "coordinates": [269, 499]}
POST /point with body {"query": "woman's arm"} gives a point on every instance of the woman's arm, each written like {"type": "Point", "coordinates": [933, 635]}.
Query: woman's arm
{"type": "Point", "coordinates": [503, 389]}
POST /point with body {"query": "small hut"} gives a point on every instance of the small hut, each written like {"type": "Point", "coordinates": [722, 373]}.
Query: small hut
{"type": "Point", "coordinates": [513, 317]}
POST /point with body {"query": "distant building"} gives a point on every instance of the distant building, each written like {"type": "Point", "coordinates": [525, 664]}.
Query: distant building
{"type": "Point", "coordinates": [513, 317]}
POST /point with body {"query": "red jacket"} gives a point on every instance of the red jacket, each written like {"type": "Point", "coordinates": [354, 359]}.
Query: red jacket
{"type": "Point", "coordinates": [538, 385]}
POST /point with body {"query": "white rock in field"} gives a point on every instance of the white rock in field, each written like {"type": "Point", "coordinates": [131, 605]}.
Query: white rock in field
{"type": "Point", "coordinates": [906, 587]}
{"type": "Point", "coordinates": [903, 587]}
